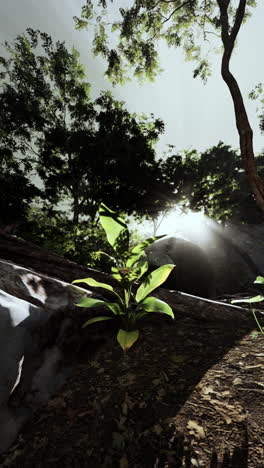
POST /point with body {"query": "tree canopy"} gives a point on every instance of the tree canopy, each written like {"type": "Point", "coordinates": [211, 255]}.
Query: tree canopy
{"type": "Point", "coordinates": [60, 149]}
{"type": "Point", "coordinates": [130, 42]}
{"type": "Point", "coordinates": [215, 183]}
{"type": "Point", "coordinates": [257, 94]}
{"type": "Point", "coordinates": [83, 151]}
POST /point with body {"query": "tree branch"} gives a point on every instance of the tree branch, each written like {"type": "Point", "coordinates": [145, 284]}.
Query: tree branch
{"type": "Point", "coordinates": [159, 3]}
{"type": "Point", "coordinates": [22, 159]}
{"type": "Point", "coordinates": [240, 13]}
{"type": "Point", "coordinates": [174, 11]}
{"type": "Point", "coordinates": [223, 6]}
{"type": "Point", "coordinates": [169, 17]}
{"type": "Point", "coordinates": [31, 149]}
{"type": "Point", "coordinates": [211, 32]}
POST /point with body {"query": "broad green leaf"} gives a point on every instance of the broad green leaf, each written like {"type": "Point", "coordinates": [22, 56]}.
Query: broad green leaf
{"type": "Point", "coordinates": [115, 308]}
{"type": "Point", "coordinates": [259, 280]}
{"type": "Point", "coordinates": [114, 226]}
{"type": "Point", "coordinates": [91, 302]}
{"type": "Point", "coordinates": [100, 252]}
{"type": "Point", "coordinates": [250, 300]}
{"type": "Point", "coordinates": [121, 244]}
{"type": "Point", "coordinates": [142, 267]}
{"type": "Point", "coordinates": [96, 319]}
{"type": "Point", "coordinates": [127, 338]}
{"type": "Point", "coordinates": [139, 249]}
{"type": "Point", "coordinates": [133, 275]}
{"type": "Point", "coordinates": [94, 283]}
{"type": "Point", "coordinates": [153, 281]}
{"type": "Point", "coordinates": [152, 304]}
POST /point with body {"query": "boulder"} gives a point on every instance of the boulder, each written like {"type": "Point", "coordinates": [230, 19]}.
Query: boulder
{"type": "Point", "coordinates": [37, 326]}
{"type": "Point", "coordinates": [235, 253]}
{"type": "Point", "coordinates": [14, 339]}
{"type": "Point", "coordinates": [37, 288]}
{"type": "Point", "coordinates": [193, 273]}
{"type": "Point", "coordinates": [236, 257]}
{"type": "Point", "coordinates": [248, 238]}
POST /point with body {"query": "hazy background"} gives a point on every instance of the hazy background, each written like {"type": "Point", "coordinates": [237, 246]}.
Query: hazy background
{"type": "Point", "coordinates": [195, 115]}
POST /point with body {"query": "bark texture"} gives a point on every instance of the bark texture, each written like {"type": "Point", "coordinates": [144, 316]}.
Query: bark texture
{"type": "Point", "coordinates": [229, 36]}
{"type": "Point", "coordinates": [31, 256]}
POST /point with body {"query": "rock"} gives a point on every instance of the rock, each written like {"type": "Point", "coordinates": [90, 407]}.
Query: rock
{"type": "Point", "coordinates": [37, 288]}
{"type": "Point", "coordinates": [235, 253]}
{"type": "Point", "coordinates": [14, 338]}
{"type": "Point", "coordinates": [192, 274]}
{"type": "Point", "coordinates": [249, 239]}
{"type": "Point", "coordinates": [236, 259]}
{"type": "Point", "coordinates": [34, 342]}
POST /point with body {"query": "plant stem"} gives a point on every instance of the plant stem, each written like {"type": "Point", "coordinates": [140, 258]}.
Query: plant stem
{"type": "Point", "coordinates": [255, 317]}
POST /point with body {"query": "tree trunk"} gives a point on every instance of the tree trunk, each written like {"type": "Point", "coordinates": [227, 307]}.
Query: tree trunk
{"type": "Point", "coordinates": [31, 256]}
{"type": "Point", "coordinates": [75, 217]}
{"type": "Point", "coordinates": [242, 122]}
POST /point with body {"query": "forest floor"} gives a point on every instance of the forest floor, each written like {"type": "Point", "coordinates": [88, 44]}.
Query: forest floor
{"type": "Point", "coordinates": [187, 394]}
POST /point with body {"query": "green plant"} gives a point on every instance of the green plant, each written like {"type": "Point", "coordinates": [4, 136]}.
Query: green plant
{"type": "Point", "coordinates": [50, 126]}
{"type": "Point", "coordinates": [129, 266]}
{"type": "Point", "coordinates": [251, 300]}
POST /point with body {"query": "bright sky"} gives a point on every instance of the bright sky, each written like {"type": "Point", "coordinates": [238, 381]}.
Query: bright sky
{"type": "Point", "coordinates": [195, 115]}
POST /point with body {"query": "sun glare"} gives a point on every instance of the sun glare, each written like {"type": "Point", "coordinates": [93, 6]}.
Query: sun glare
{"type": "Point", "coordinates": [193, 225]}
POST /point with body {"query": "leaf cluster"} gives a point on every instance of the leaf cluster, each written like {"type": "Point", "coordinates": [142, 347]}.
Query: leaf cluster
{"type": "Point", "coordinates": [130, 41]}
{"type": "Point", "coordinates": [129, 266]}
{"type": "Point", "coordinates": [83, 151]}
{"type": "Point", "coordinates": [53, 230]}
{"type": "Point", "coordinates": [214, 182]}
{"type": "Point", "coordinates": [257, 94]}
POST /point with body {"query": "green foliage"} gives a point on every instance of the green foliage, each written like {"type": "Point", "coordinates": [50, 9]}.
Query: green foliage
{"type": "Point", "coordinates": [137, 29]}
{"type": "Point", "coordinates": [16, 189]}
{"type": "Point", "coordinates": [153, 281]}
{"type": "Point", "coordinates": [115, 228]}
{"type": "Point", "coordinates": [16, 192]}
{"type": "Point", "coordinates": [214, 182]}
{"type": "Point", "coordinates": [252, 300]}
{"type": "Point", "coordinates": [83, 151]}
{"type": "Point", "coordinates": [54, 231]}
{"type": "Point", "coordinates": [257, 94]}
{"type": "Point", "coordinates": [131, 266]}
{"type": "Point", "coordinates": [133, 45]}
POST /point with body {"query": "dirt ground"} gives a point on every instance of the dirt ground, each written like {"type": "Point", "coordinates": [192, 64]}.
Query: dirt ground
{"type": "Point", "coordinates": [187, 394]}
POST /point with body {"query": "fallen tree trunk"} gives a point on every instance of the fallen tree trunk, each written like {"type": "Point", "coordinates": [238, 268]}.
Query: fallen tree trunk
{"type": "Point", "coordinates": [29, 255]}
{"type": "Point", "coordinates": [206, 309]}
